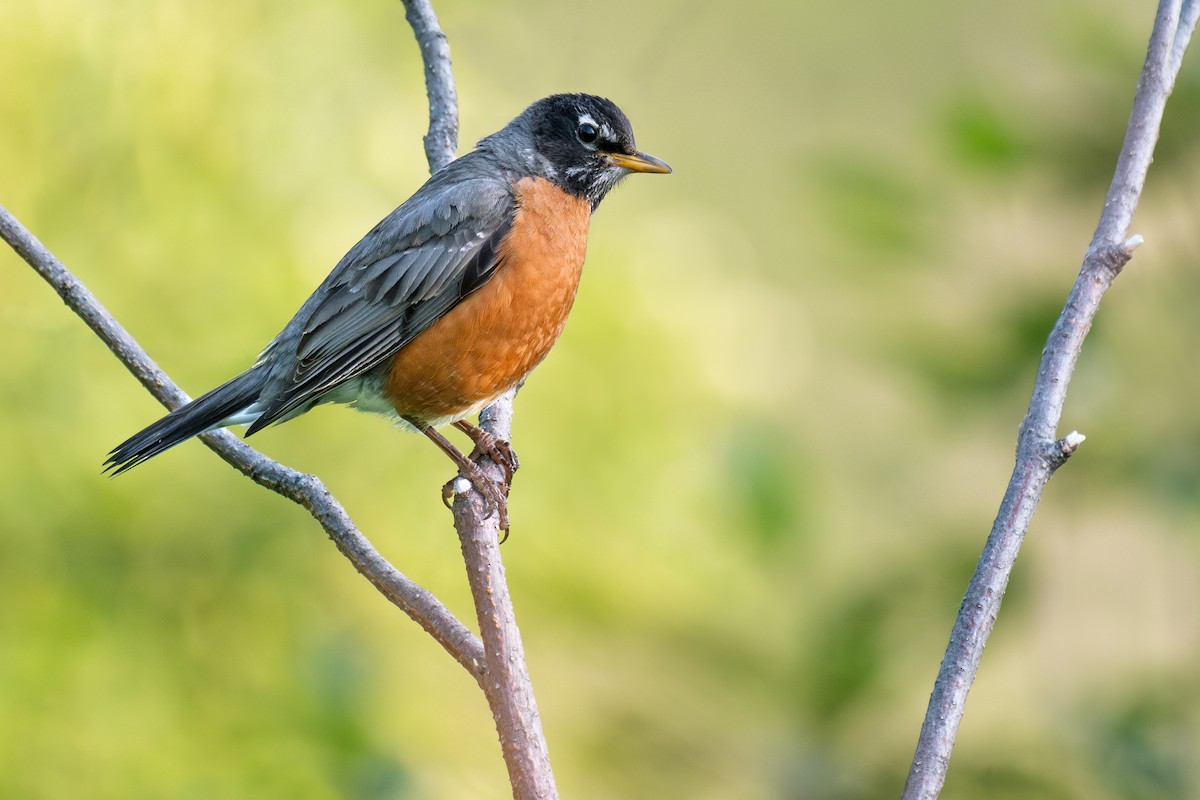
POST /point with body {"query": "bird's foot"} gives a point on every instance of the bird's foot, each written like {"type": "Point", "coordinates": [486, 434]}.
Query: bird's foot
{"type": "Point", "coordinates": [498, 450]}
{"type": "Point", "coordinates": [494, 493]}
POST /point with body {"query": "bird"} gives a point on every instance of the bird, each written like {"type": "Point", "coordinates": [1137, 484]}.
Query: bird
{"type": "Point", "coordinates": [446, 304]}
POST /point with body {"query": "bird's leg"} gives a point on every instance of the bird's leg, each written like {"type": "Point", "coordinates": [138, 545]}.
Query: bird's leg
{"type": "Point", "coordinates": [494, 496]}
{"type": "Point", "coordinates": [498, 450]}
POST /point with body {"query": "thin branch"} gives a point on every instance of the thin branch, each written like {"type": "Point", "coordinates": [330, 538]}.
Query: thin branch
{"type": "Point", "coordinates": [1039, 454]}
{"type": "Point", "coordinates": [507, 686]}
{"type": "Point", "coordinates": [441, 142]}
{"type": "Point", "coordinates": [305, 490]}
{"type": "Point", "coordinates": [1183, 34]}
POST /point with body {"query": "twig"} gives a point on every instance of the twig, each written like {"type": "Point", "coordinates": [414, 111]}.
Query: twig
{"type": "Point", "coordinates": [1039, 454]}
{"type": "Point", "coordinates": [441, 142]}
{"type": "Point", "coordinates": [306, 490]}
{"type": "Point", "coordinates": [507, 685]}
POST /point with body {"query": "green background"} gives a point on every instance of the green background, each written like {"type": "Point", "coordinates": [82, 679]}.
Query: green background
{"type": "Point", "coordinates": [758, 468]}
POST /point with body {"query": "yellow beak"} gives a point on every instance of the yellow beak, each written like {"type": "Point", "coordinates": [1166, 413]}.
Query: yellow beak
{"type": "Point", "coordinates": [640, 162]}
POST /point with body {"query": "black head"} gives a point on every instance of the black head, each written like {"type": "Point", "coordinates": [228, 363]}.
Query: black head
{"type": "Point", "coordinates": [581, 142]}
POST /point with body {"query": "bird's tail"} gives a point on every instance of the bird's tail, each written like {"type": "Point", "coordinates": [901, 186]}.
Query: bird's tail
{"type": "Point", "coordinates": [224, 405]}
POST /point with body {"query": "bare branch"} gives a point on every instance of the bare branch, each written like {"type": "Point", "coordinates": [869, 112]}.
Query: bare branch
{"type": "Point", "coordinates": [441, 142]}
{"type": "Point", "coordinates": [306, 490]}
{"type": "Point", "coordinates": [1038, 453]}
{"type": "Point", "coordinates": [507, 686]}
{"type": "Point", "coordinates": [1183, 34]}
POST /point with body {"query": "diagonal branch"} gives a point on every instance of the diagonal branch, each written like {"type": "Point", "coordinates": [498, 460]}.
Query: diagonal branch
{"type": "Point", "coordinates": [1039, 453]}
{"type": "Point", "coordinates": [305, 490]}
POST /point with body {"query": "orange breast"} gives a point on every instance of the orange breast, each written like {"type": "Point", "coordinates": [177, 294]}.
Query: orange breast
{"type": "Point", "coordinates": [491, 340]}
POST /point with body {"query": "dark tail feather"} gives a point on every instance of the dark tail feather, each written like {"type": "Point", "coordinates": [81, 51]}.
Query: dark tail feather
{"type": "Point", "coordinates": [183, 423]}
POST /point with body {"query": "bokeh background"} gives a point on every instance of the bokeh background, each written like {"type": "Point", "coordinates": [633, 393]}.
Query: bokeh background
{"type": "Point", "coordinates": [758, 468]}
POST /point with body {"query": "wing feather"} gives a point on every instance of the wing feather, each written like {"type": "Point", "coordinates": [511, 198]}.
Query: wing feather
{"type": "Point", "coordinates": [412, 268]}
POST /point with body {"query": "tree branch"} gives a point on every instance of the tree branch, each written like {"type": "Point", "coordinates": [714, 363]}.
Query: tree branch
{"type": "Point", "coordinates": [305, 490]}
{"type": "Point", "coordinates": [441, 142]}
{"type": "Point", "coordinates": [507, 686]}
{"type": "Point", "coordinates": [1039, 454]}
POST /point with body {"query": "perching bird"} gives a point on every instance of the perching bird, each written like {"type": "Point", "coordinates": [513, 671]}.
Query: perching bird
{"type": "Point", "coordinates": [447, 303]}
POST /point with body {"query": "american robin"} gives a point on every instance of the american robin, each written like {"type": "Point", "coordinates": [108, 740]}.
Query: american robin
{"type": "Point", "coordinates": [447, 303]}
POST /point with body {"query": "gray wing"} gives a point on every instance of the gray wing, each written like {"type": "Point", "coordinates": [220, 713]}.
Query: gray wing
{"type": "Point", "coordinates": [413, 267]}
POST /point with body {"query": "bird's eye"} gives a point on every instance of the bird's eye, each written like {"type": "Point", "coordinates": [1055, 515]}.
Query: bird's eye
{"type": "Point", "coordinates": [587, 132]}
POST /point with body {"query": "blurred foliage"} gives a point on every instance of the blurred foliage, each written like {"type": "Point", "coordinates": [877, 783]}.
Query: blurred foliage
{"type": "Point", "coordinates": [758, 469]}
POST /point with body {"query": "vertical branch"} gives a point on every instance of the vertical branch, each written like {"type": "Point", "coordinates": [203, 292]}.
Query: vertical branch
{"type": "Point", "coordinates": [441, 142]}
{"type": "Point", "coordinates": [505, 677]}
{"type": "Point", "coordinates": [1039, 454]}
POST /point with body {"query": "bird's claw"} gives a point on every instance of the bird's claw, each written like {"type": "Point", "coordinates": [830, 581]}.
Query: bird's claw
{"type": "Point", "coordinates": [495, 495]}
{"type": "Point", "coordinates": [498, 450]}
{"type": "Point", "coordinates": [448, 492]}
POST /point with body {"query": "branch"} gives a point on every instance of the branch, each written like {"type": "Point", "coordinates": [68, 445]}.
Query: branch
{"type": "Point", "coordinates": [305, 490]}
{"type": "Point", "coordinates": [1039, 454]}
{"type": "Point", "coordinates": [441, 142]}
{"type": "Point", "coordinates": [508, 688]}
